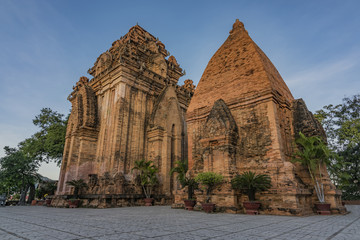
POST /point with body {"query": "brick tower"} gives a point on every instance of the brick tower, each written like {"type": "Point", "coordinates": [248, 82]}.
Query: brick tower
{"type": "Point", "coordinates": [243, 117]}
{"type": "Point", "coordinates": [132, 109]}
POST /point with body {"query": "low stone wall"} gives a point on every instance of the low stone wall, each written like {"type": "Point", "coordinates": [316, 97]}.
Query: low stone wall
{"type": "Point", "coordinates": [351, 202]}
{"type": "Point", "coordinates": [12, 203]}
{"type": "Point", "coordinates": [109, 200]}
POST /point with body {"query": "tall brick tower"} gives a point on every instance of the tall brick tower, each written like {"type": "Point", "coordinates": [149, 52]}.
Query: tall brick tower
{"type": "Point", "coordinates": [132, 109]}
{"type": "Point", "coordinates": [243, 117]}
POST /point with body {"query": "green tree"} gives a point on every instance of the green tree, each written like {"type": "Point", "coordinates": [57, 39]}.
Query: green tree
{"type": "Point", "coordinates": [48, 143]}
{"type": "Point", "coordinates": [181, 169]}
{"type": "Point", "coordinates": [313, 154]}
{"type": "Point", "coordinates": [46, 188]}
{"type": "Point", "coordinates": [342, 126]}
{"type": "Point", "coordinates": [147, 174]}
{"type": "Point", "coordinates": [209, 181]}
{"type": "Point", "coordinates": [18, 171]}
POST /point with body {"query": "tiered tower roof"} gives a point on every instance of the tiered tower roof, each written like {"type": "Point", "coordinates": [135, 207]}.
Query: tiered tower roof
{"type": "Point", "coordinates": [239, 69]}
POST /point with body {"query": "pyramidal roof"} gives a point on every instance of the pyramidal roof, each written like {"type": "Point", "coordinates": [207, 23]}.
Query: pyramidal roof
{"type": "Point", "coordinates": [238, 69]}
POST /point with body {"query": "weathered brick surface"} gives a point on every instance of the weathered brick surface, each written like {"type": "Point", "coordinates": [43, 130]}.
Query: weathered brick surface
{"type": "Point", "coordinates": [263, 118]}
{"type": "Point", "coordinates": [242, 117]}
{"type": "Point", "coordinates": [238, 69]}
{"type": "Point", "coordinates": [131, 109]}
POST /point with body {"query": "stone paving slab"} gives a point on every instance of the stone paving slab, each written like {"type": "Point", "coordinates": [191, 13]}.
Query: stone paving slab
{"type": "Point", "coordinates": [162, 222]}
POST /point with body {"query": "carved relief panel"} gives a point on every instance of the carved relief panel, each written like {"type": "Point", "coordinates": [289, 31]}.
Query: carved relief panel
{"type": "Point", "coordinates": [218, 140]}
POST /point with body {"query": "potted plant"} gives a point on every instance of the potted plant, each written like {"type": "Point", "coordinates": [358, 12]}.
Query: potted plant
{"type": "Point", "coordinates": [209, 181]}
{"type": "Point", "coordinates": [148, 179]}
{"type": "Point", "coordinates": [45, 191]}
{"type": "Point", "coordinates": [185, 181]}
{"type": "Point", "coordinates": [250, 183]}
{"type": "Point", "coordinates": [47, 200]}
{"type": "Point", "coordinates": [78, 185]}
{"type": "Point", "coordinates": [314, 154]}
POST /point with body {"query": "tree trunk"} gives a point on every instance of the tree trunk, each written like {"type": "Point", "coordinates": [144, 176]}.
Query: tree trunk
{"type": "Point", "coordinates": [76, 193]}
{"type": "Point", "coordinates": [208, 194]}
{"type": "Point", "coordinates": [251, 195]}
{"type": "Point", "coordinates": [24, 191]}
{"type": "Point", "coordinates": [190, 192]}
{"type": "Point", "coordinates": [31, 194]}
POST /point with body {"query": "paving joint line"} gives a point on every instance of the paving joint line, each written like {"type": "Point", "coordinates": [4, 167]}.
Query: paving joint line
{"type": "Point", "coordinates": [14, 234]}
{"type": "Point", "coordinates": [346, 226]}
{"type": "Point", "coordinates": [85, 225]}
{"type": "Point", "coordinates": [299, 228]}
{"type": "Point", "coordinates": [49, 228]}
{"type": "Point", "coordinates": [201, 228]}
{"type": "Point", "coordinates": [229, 233]}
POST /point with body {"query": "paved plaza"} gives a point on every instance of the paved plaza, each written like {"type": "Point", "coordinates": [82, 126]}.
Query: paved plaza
{"type": "Point", "coordinates": [162, 222]}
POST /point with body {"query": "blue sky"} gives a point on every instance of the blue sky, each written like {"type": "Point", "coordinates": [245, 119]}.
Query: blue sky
{"type": "Point", "coordinates": [45, 46]}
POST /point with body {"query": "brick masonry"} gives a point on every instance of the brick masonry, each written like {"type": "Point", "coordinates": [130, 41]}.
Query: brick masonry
{"type": "Point", "coordinates": [241, 117]}
{"type": "Point", "coordinates": [131, 109]}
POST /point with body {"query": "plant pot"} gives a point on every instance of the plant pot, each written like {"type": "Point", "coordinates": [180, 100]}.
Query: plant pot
{"type": "Point", "coordinates": [48, 202]}
{"type": "Point", "coordinates": [189, 204]}
{"type": "Point", "coordinates": [251, 208]}
{"type": "Point", "coordinates": [208, 207]}
{"type": "Point", "coordinates": [149, 201]}
{"type": "Point", "coordinates": [74, 203]}
{"type": "Point", "coordinates": [323, 208]}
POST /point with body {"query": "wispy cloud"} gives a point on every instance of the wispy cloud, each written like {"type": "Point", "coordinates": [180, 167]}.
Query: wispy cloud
{"type": "Point", "coordinates": [327, 82]}
{"type": "Point", "coordinates": [324, 71]}
{"type": "Point", "coordinates": [11, 135]}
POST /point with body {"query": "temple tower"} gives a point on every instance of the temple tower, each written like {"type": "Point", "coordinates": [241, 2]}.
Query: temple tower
{"type": "Point", "coordinates": [243, 117]}
{"type": "Point", "coordinates": [131, 109]}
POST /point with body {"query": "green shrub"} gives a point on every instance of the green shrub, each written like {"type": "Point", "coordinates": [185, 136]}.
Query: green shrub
{"type": "Point", "coordinates": [209, 181]}
{"type": "Point", "coordinates": [147, 173]}
{"type": "Point", "coordinates": [181, 170]}
{"type": "Point", "coordinates": [250, 183]}
{"type": "Point", "coordinates": [78, 186]}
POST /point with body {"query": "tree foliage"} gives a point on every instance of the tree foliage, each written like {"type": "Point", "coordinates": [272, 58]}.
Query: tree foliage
{"type": "Point", "coordinates": [181, 169]}
{"type": "Point", "coordinates": [313, 154]}
{"type": "Point", "coordinates": [48, 188]}
{"type": "Point", "coordinates": [18, 171]}
{"type": "Point", "coordinates": [147, 173]}
{"type": "Point", "coordinates": [78, 186]}
{"type": "Point", "coordinates": [209, 181]}
{"type": "Point", "coordinates": [342, 126]}
{"type": "Point", "coordinates": [48, 143]}
{"type": "Point", "coordinates": [250, 183]}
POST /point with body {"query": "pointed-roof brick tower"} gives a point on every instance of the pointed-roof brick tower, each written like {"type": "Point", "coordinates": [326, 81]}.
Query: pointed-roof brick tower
{"type": "Point", "coordinates": [238, 68]}
{"type": "Point", "coordinates": [256, 97]}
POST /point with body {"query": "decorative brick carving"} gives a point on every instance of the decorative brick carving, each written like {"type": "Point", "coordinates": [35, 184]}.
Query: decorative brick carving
{"type": "Point", "coordinates": [84, 106]}
{"type": "Point", "coordinates": [253, 127]}
{"type": "Point", "coordinates": [219, 139]}
{"type": "Point", "coordinates": [241, 117]}
{"type": "Point", "coordinates": [304, 120]}
{"type": "Point", "coordinates": [131, 108]}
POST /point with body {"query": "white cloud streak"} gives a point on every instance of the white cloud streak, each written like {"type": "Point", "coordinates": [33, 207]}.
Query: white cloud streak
{"type": "Point", "coordinates": [323, 71]}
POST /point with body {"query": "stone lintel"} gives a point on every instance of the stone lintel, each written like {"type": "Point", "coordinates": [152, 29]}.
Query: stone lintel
{"type": "Point", "coordinates": [218, 141]}
{"type": "Point", "coordinates": [155, 134]}
{"type": "Point", "coordinates": [126, 72]}
{"type": "Point", "coordinates": [241, 102]}
{"type": "Point", "coordinates": [88, 133]}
